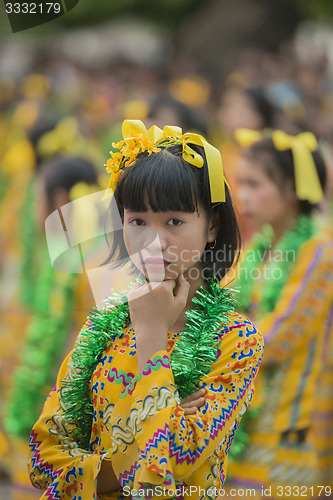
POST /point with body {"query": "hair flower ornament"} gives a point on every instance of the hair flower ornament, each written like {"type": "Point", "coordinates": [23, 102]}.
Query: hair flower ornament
{"type": "Point", "coordinates": [137, 139]}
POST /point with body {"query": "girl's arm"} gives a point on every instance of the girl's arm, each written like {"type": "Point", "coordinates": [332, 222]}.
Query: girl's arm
{"type": "Point", "coordinates": [107, 480]}
{"type": "Point", "coordinates": [168, 445]}
{"type": "Point", "coordinates": [304, 306]}
{"type": "Point", "coordinates": [56, 463]}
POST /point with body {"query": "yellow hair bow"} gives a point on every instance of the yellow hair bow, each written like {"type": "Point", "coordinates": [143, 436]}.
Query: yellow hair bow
{"type": "Point", "coordinates": [246, 136]}
{"type": "Point", "coordinates": [65, 138]}
{"type": "Point", "coordinates": [307, 181]}
{"type": "Point", "coordinates": [137, 139]}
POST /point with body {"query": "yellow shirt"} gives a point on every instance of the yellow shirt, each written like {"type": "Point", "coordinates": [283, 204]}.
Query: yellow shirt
{"type": "Point", "coordinates": [140, 426]}
{"type": "Point", "coordinates": [297, 333]}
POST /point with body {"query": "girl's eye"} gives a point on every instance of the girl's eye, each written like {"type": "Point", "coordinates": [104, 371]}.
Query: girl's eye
{"type": "Point", "coordinates": [253, 184]}
{"type": "Point", "coordinates": [175, 222]}
{"type": "Point", "coordinates": [136, 222]}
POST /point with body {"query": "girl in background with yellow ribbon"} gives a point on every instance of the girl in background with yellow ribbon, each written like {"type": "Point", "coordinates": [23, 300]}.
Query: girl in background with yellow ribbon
{"type": "Point", "coordinates": [149, 400]}
{"type": "Point", "coordinates": [58, 304]}
{"type": "Point", "coordinates": [285, 282]}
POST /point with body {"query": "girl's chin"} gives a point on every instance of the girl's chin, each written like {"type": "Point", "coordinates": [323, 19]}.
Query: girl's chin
{"type": "Point", "coordinates": [161, 275]}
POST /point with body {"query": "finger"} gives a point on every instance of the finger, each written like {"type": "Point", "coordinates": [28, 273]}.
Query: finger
{"type": "Point", "coordinates": [197, 402]}
{"type": "Point", "coordinates": [194, 396]}
{"type": "Point", "coordinates": [191, 411]}
{"type": "Point", "coordinates": [169, 284]}
{"type": "Point", "coordinates": [186, 405]}
{"type": "Point", "coordinates": [183, 288]}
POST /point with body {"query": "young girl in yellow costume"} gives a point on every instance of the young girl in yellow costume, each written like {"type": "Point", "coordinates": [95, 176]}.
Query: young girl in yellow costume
{"type": "Point", "coordinates": [286, 287]}
{"type": "Point", "coordinates": [114, 426]}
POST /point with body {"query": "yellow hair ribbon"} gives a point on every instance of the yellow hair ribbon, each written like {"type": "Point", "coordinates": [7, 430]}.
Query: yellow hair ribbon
{"type": "Point", "coordinates": [213, 157]}
{"type": "Point", "coordinates": [138, 139]}
{"type": "Point", "coordinates": [246, 137]}
{"type": "Point", "coordinates": [307, 181]}
{"type": "Point", "coordinates": [65, 138]}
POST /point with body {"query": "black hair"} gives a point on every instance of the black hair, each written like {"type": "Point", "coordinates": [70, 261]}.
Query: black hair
{"type": "Point", "coordinates": [164, 181]}
{"type": "Point", "coordinates": [36, 133]}
{"type": "Point", "coordinates": [263, 105]}
{"type": "Point", "coordinates": [188, 119]}
{"type": "Point", "coordinates": [279, 166]}
{"type": "Point", "coordinates": [65, 172]}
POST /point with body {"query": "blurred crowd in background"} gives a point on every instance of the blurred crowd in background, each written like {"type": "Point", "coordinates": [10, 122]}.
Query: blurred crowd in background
{"type": "Point", "coordinates": [68, 99]}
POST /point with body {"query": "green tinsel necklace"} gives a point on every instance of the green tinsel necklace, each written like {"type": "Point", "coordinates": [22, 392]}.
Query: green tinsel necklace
{"type": "Point", "coordinates": [193, 355]}
{"type": "Point", "coordinates": [302, 230]}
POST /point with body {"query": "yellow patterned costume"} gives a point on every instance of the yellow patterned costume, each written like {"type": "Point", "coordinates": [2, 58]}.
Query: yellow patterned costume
{"type": "Point", "coordinates": [139, 425]}
{"type": "Point", "coordinates": [281, 451]}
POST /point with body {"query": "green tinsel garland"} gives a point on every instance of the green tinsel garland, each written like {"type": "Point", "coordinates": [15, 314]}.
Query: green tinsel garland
{"type": "Point", "coordinates": [30, 256]}
{"type": "Point", "coordinates": [303, 229]}
{"type": "Point", "coordinates": [45, 341]}
{"type": "Point", "coordinates": [194, 353]}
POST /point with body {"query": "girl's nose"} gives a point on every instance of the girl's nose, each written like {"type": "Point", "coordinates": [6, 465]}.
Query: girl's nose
{"type": "Point", "coordinates": [159, 243]}
{"type": "Point", "coordinates": [243, 197]}
{"type": "Point", "coordinates": [151, 238]}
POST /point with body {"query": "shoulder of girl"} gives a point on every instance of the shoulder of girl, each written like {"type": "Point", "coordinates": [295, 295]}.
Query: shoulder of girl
{"type": "Point", "coordinates": [241, 341]}
{"type": "Point", "coordinates": [320, 246]}
{"type": "Point", "coordinates": [239, 326]}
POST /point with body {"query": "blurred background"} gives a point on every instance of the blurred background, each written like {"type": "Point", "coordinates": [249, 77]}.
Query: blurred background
{"type": "Point", "coordinates": [66, 86]}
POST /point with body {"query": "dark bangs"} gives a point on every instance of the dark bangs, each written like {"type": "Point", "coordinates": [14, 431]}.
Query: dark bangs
{"type": "Point", "coordinates": [162, 181]}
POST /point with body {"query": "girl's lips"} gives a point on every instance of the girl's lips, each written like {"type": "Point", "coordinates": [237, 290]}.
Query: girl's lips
{"type": "Point", "coordinates": [155, 263]}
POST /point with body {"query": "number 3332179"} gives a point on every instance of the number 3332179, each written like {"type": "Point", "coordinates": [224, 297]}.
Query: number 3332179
{"type": "Point", "coordinates": [33, 8]}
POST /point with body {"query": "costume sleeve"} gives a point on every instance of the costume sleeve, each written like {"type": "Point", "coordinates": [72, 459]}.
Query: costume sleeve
{"type": "Point", "coordinates": [304, 301]}
{"type": "Point", "coordinates": [171, 446]}
{"type": "Point", "coordinates": [56, 463]}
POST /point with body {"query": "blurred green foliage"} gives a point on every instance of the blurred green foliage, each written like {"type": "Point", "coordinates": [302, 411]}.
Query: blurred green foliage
{"type": "Point", "coordinates": [168, 13]}
{"type": "Point", "coordinates": [316, 9]}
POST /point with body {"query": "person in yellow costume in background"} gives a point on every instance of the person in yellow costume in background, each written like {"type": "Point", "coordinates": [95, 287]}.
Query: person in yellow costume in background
{"type": "Point", "coordinates": [115, 424]}
{"type": "Point", "coordinates": [323, 414]}
{"type": "Point", "coordinates": [285, 282]}
{"type": "Point", "coordinates": [19, 235]}
{"type": "Point", "coordinates": [17, 162]}
{"type": "Point", "coordinates": [58, 305]}
{"type": "Point", "coordinates": [241, 106]}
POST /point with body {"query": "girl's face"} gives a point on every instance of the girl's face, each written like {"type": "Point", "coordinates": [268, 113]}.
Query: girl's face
{"type": "Point", "coordinates": [165, 244]}
{"type": "Point", "coordinates": [261, 200]}
{"type": "Point", "coordinates": [237, 110]}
